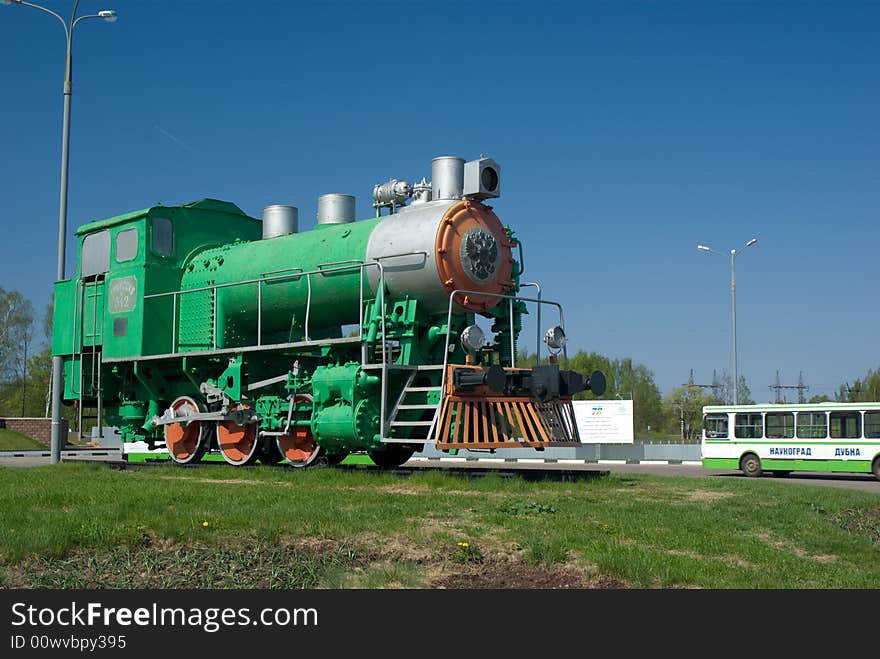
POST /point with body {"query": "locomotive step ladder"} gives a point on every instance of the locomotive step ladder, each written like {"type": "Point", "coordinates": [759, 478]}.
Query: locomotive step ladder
{"type": "Point", "coordinates": [420, 429]}
{"type": "Point", "coordinates": [88, 346]}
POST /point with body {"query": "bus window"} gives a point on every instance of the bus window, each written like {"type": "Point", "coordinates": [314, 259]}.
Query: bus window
{"type": "Point", "coordinates": [780, 425]}
{"type": "Point", "coordinates": [872, 425]}
{"type": "Point", "coordinates": [812, 425]}
{"type": "Point", "coordinates": [716, 426]}
{"type": "Point", "coordinates": [846, 425]}
{"type": "Point", "coordinates": [748, 426]}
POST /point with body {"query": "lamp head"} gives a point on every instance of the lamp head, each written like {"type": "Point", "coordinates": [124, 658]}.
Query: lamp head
{"type": "Point", "coordinates": [703, 248]}
{"type": "Point", "coordinates": [108, 15]}
{"type": "Point", "coordinates": [555, 338]}
{"type": "Point", "coordinates": [751, 242]}
{"type": "Point", "coordinates": [10, 2]}
{"type": "Point", "coordinates": [472, 338]}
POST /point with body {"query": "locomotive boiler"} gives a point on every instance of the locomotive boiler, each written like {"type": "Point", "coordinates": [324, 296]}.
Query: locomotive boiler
{"type": "Point", "coordinates": [200, 328]}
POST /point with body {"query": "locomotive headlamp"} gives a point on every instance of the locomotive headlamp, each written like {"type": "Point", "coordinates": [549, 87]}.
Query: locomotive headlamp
{"type": "Point", "coordinates": [472, 338]}
{"type": "Point", "coordinates": [555, 338]}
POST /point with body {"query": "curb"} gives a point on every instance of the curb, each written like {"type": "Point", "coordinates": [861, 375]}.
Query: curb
{"type": "Point", "coordinates": [560, 461]}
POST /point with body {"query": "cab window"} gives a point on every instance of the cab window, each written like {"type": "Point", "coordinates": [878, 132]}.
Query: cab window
{"type": "Point", "coordinates": [95, 254]}
{"type": "Point", "coordinates": [163, 236]}
{"type": "Point", "coordinates": [126, 245]}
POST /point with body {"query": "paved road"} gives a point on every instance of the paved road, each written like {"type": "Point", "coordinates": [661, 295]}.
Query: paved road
{"type": "Point", "coordinates": [863, 482]}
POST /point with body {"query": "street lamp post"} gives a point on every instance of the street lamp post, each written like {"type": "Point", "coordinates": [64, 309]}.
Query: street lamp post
{"type": "Point", "coordinates": [733, 253]}
{"type": "Point", "coordinates": [108, 15]}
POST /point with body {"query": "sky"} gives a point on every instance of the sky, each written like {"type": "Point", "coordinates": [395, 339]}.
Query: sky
{"type": "Point", "coordinates": [627, 133]}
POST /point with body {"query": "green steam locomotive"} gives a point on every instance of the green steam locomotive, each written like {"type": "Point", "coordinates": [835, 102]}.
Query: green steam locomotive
{"type": "Point", "coordinates": [199, 328]}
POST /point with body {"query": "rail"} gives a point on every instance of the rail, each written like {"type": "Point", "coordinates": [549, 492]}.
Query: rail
{"type": "Point", "coordinates": [534, 284]}
{"type": "Point", "coordinates": [290, 274]}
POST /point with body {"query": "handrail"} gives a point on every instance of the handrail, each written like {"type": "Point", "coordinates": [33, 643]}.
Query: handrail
{"type": "Point", "coordinates": [323, 269]}
{"type": "Point", "coordinates": [308, 306]}
{"type": "Point", "coordinates": [259, 279]}
{"type": "Point", "coordinates": [512, 299]}
{"type": "Point", "coordinates": [321, 266]}
{"type": "Point", "coordinates": [76, 305]}
{"type": "Point", "coordinates": [174, 323]}
{"type": "Point", "coordinates": [420, 252]}
{"type": "Point", "coordinates": [273, 272]}
{"type": "Point", "coordinates": [537, 320]}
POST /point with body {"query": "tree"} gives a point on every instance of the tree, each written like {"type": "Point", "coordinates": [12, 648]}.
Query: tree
{"type": "Point", "coordinates": [636, 382]}
{"type": "Point", "coordinates": [725, 397]}
{"type": "Point", "coordinates": [745, 394]}
{"type": "Point", "coordinates": [861, 390]}
{"type": "Point", "coordinates": [683, 411]}
{"type": "Point", "coordinates": [16, 338]}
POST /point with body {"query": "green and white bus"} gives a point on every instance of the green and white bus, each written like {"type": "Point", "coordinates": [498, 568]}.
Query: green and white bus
{"type": "Point", "coordinates": [843, 437]}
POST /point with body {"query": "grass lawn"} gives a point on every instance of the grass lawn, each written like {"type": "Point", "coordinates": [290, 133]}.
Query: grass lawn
{"type": "Point", "coordinates": [87, 526]}
{"type": "Point", "coordinates": [11, 440]}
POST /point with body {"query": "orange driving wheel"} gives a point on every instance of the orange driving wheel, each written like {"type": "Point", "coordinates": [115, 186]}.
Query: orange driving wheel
{"type": "Point", "coordinates": [186, 441]}
{"type": "Point", "coordinates": [238, 443]}
{"type": "Point", "coordinates": [299, 447]}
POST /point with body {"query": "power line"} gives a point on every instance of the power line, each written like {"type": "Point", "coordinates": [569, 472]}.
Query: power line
{"type": "Point", "coordinates": [800, 386]}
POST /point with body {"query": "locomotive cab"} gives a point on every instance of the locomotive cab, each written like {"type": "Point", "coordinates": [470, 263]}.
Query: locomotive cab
{"type": "Point", "coordinates": [105, 310]}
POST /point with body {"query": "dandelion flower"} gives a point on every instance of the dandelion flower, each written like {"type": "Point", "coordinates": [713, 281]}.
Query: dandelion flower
{"type": "Point", "coordinates": [204, 523]}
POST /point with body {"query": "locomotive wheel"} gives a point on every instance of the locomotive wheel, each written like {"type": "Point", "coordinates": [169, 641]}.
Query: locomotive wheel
{"type": "Point", "coordinates": [238, 444]}
{"type": "Point", "coordinates": [392, 455]}
{"type": "Point", "coordinates": [187, 442]}
{"type": "Point", "coordinates": [299, 448]}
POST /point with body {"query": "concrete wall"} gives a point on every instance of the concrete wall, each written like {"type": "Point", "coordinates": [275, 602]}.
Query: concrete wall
{"type": "Point", "coordinates": [38, 429]}
{"type": "Point", "coordinates": [586, 452]}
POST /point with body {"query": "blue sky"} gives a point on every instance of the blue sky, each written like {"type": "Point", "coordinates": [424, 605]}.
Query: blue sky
{"type": "Point", "coordinates": [628, 132]}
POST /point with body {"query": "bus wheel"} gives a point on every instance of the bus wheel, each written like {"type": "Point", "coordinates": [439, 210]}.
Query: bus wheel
{"type": "Point", "coordinates": [875, 468]}
{"type": "Point", "coordinates": [750, 465]}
